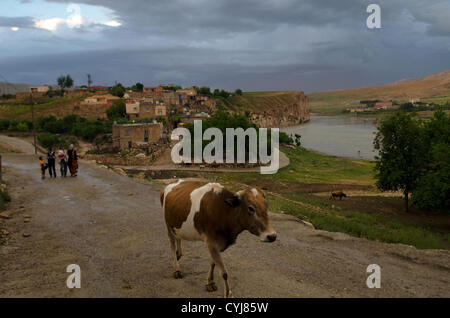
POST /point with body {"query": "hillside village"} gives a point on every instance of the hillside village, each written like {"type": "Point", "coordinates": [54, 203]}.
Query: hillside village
{"type": "Point", "coordinates": [144, 116]}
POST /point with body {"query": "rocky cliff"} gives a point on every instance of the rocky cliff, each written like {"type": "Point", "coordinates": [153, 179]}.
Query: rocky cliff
{"type": "Point", "coordinates": [271, 109]}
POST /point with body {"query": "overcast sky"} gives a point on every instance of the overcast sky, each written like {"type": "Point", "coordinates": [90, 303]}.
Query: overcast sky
{"type": "Point", "coordinates": [309, 45]}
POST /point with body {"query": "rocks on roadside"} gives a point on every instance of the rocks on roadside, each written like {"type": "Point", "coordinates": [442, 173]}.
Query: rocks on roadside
{"type": "Point", "coordinates": [4, 216]}
{"type": "Point", "coordinates": [120, 171]}
{"type": "Point", "coordinates": [140, 175]}
{"type": "Point", "coordinates": [26, 234]}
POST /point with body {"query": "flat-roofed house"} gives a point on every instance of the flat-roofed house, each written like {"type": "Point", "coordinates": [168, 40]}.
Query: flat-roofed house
{"type": "Point", "coordinates": [383, 105]}
{"type": "Point", "coordinates": [126, 136]}
{"type": "Point", "coordinates": [100, 100]}
{"type": "Point", "coordinates": [39, 89]}
{"type": "Point", "coordinates": [133, 110]}
{"type": "Point", "coordinates": [153, 90]}
{"type": "Point", "coordinates": [187, 91]}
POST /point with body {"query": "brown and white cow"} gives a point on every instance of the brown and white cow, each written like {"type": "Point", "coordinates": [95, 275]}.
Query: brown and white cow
{"type": "Point", "coordinates": [201, 211]}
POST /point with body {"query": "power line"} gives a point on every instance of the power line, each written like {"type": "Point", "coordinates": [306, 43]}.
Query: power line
{"type": "Point", "coordinates": [6, 81]}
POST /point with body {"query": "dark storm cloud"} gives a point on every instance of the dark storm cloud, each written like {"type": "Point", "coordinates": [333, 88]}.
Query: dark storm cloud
{"type": "Point", "coordinates": [254, 44]}
{"type": "Point", "coordinates": [22, 22]}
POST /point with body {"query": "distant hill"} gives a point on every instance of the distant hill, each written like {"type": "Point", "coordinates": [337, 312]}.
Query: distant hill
{"type": "Point", "coordinates": [432, 88]}
{"type": "Point", "coordinates": [8, 88]}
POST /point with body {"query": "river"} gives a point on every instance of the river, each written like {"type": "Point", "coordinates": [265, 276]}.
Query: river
{"type": "Point", "coordinates": [341, 136]}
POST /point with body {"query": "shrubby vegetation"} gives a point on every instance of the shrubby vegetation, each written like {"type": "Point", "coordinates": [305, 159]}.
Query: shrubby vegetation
{"type": "Point", "coordinates": [415, 158]}
{"type": "Point", "coordinates": [223, 120]}
{"type": "Point", "coordinates": [117, 90]}
{"type": "Point", "coordinates": [117, 110]}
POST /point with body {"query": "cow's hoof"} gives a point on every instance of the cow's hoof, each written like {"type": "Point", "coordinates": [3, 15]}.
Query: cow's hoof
{"type": "Point", "coordinates": [179, 254]}
{"type": "Point", "coordinates": [211, 287]}
{"type": "Point", "coordinates": [177, 275]}
{"type": "Point", "coordinates": [230, 295]}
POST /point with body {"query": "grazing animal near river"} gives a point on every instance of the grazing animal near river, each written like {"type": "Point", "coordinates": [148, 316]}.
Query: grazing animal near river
{"type": "Point", "coordinates": [339, 195]}
{"type": "Point", "coordinates": [201, 211]}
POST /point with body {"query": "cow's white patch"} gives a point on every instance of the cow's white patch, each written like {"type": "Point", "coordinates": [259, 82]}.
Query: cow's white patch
{"type": "Point", "coordinates": [255, 192]}
{"type": "Point", "coordinates": [167, 191]}
{"type": "Point", "coordinates": [188, 230]}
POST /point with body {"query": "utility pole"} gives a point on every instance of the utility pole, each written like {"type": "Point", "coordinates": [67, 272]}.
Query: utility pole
{"type": "Point", "coordinates": [89, 81]}
{"type": "Point", "coordinates": [34, 124]}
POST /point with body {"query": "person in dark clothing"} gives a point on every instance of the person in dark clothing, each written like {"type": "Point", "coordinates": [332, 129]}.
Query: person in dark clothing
{"type": "Point", "coordinates": [51, 160]}
{"type": "Point", "coordinates": [72, 161]}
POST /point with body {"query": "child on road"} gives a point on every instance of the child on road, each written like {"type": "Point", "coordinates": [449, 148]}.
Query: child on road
{"type": "Point", "coordinates": [43, 167]}
{"type": "Point", "coordinates": [62, 162]}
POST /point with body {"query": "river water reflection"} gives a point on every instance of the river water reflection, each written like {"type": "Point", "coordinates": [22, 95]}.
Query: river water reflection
{"type": "Point", "coordinates": [338, 135]}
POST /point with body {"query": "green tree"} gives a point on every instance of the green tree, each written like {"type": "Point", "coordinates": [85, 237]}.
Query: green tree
{"type": "Point", "coordinates": [138, 87]}
{"type": "Point", "coordinates": [117, 90]}
{"type": "Point", "coordinates": [238, 92]}
{"type": "Point", "coordinates": [400, 158]}
{"type": "Point", "coordinates": [117, 110]}
{"type": "Point", "coordinates": [407, 106]}
{"type": "Point", "coordinates": [204, 90]}
{"type": "Point", "coordinates": [433, 187]}
{"type": "Point", "coordinates": [65, 82]}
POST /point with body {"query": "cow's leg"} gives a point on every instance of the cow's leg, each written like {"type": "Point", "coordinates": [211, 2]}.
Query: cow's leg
{"type": "Point", "coordinates": [179, 251]}
{"type": "Point", "coordinates": [217, 259]}
{"type": "Point", "coordinates": [210, 285]}
{"type": "Point", "coordinates": [176, 266]}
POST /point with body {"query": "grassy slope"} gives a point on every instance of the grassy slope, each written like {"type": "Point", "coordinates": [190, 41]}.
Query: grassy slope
{"type": "Point", "coordinates": [21, 108]}
{"type": "Point", "coordinates": [434, 88]}
{"type": "Point", "coordinates": [257, 100]}
{"type": "Point", "coordinates": [308, 167]}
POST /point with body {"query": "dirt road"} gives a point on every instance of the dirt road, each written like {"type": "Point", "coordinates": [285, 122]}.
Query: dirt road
{"type": "Point", "coordinates": [112, 227]}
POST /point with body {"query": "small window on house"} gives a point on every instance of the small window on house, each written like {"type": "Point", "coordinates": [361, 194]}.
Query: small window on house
{"type": "Point", "coordinates": [160, 112]}
{"type": "Point", "coordinates": [127, 132]}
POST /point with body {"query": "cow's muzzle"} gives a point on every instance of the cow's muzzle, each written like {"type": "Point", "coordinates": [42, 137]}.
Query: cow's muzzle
{"type": "Point", "coordinates": [269, 237]}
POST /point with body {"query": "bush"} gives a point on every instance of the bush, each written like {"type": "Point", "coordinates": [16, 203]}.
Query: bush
{"type": "Point", "coordinates": [22, 126]}
{"type": "Point", "coordinates": [48, 140]}
{"type": "Point", "coordinates": [4, 124]}
{"type": "Point", "coordinates": [117, 110]}
{"type": "Point", "coordinates": [285, 138]}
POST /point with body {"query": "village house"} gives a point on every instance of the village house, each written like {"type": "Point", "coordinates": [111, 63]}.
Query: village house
{"type": "Point", "coordinates": [187, 91]}
{"type": "Point", "coordinates": [132, 109]}
{"type": "Point", "coordinates": [39, 89]}
{"type": "Point", "coordinates": [153, 90]}
{"type": "Point", "coordinates": [100, 99]}
{"type": "Point", "coordinates": [383, 105]}
{"type": "Point", "coordinates": [127, 136]}
{"type": "Point", "coordinates": [145, 110]}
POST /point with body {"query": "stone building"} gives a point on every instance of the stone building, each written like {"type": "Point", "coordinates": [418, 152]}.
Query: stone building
{"type": "Point", "coordinates": [39, 89]}
{"type": "Point", "coordinates": [145, 110]}
{"type": "Point", "coordinates": [140, 135]}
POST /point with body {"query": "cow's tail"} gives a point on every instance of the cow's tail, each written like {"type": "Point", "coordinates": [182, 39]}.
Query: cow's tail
{"type": "Point", "coordinates": [161, 196]}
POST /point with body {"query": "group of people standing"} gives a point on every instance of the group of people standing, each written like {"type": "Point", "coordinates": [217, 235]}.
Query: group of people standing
{"type": "Point", "coordinates": [69, 160]}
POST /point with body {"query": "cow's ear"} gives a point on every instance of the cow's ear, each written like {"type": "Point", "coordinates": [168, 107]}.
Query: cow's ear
{"type": "Point", "coordinates": [233, 201]}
